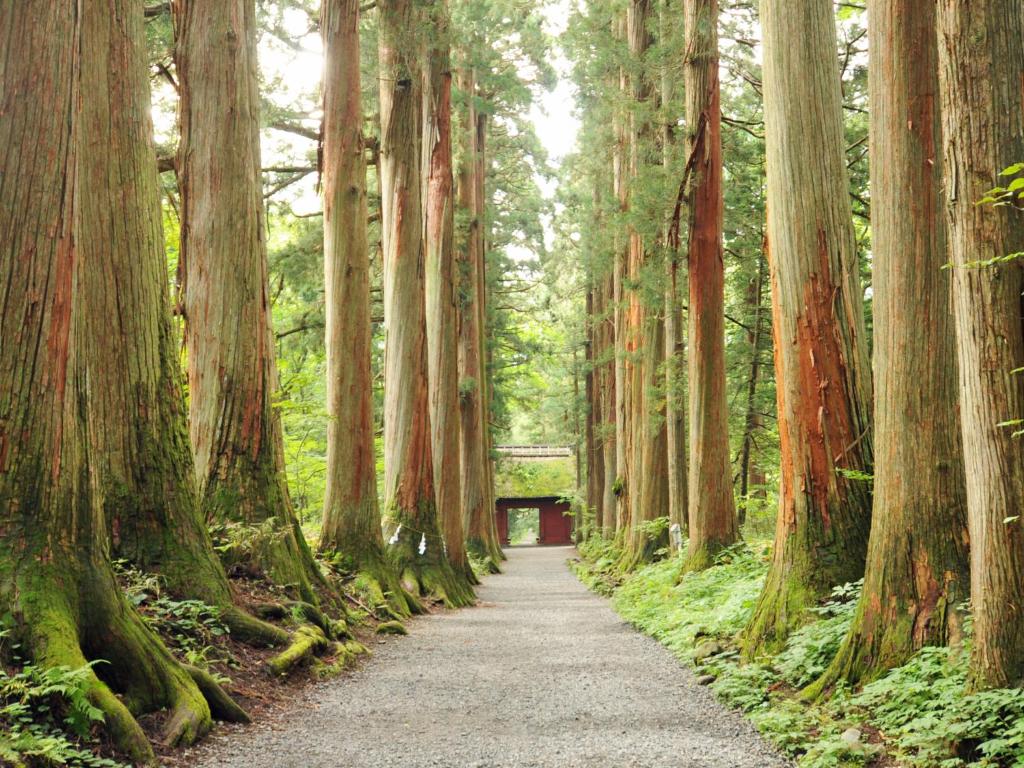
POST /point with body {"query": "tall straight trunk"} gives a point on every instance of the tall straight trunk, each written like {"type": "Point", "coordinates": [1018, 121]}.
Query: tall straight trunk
{"type": "Point", "coordinates": [351, 530]}
{"type": "Point", "coordinates": [917, 565]}
{"type": "Point", "coordinates": [620, 172]}
{"type": "Point", "coordinates": [675, 422]}
{"type": "Point", "coordinates": [822, 369]}
{"type": "Point", "coordinates": [56, 583]}
{"type": "Point", "coordinates": [712, 510]}
{"type": "Point", "coordinates": [648, 447]}
{"type": "Point", "coordinates": [981, 71]}
{"type": "Point", "coordinates": [477, 507]}
{"type": "Point", "coordinates": [483, 302]}
{"type": "Point", "coordinates": [441, 290]}
{"type": "Point", "coordinates": [592, 438]}
{"type": "Point", "coordinates": [608, 411]}
{"type": "Point", "coordinates": [751, 475]}
{"type": "Point", "coordinates": [232, 373]}
{"type": "Point", "coordinates": [410, 503]}
{"type": "Point", "coordinates": [142, 453]}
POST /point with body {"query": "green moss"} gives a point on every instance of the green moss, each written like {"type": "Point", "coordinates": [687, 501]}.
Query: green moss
{"type": "Point", "coordinates": [391, 628]}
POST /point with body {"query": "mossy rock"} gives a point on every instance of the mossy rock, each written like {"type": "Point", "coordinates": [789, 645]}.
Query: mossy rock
{"type": "Point", "coordinates": [392, 628]}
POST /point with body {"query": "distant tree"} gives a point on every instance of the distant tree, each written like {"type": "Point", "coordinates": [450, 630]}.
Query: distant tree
{"type": "Point", "coordinates": [646, 476]}
{"type": "Point", "coordinates": [477, 493]}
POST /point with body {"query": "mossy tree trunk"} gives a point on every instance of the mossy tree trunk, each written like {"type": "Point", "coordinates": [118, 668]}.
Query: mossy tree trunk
{"type": "Point", "coordinates": [821, 362]}
{"type": "Point", "coordinates": [917, 563]}
{"type": "Point", "coordinates": [981, 71]}
{"type": "Point", "coordinates": [712, 509]}
{"type": "Point", "coordinates": [236, 432]}
{"type": "Point", "coordinates": [143, 457]}
{"type": "Point", "coordinates": [351, 531]}
{"type": "Point", "coordinates": [56, 583]}
{"type": "Point", "coordinates": [410, 503]}
{"type": "Point", "coordinates": [441, 289]}
{"type": "Point", "coordinates": [478, 513]}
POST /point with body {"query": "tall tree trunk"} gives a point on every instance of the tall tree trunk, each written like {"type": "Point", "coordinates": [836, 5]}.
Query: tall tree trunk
{"type": "Point", "coordinates": [56, 584]}
{"type": "Point", "coordinates": [482, 307]}
{"type": "Point", "coordinates": [981, 71]}
{"type": "Point", "coordinates": [477, 508]}
{"type": "Point", "coordinates": [822, 369]}
{"type": "Point", "coordinates": [232, 376]}
{"type": "Point", "coordinates": [645, 329]}
{"type": "Point", "coordinates": [410, 503]}
{"type": "Point", "coordinates": [751, 475]}
{"type": "Point", "coordinates": [351, 529]}
{"type": "Point", "coordinates": [675, 422]}
{"type": "Point", "coordinates": [592, 437]}
{"type": "Point", "coordinates": [712, 510]}
{"type": "Point", "coordinates": [620, 182]}
{"type": "Point", "coordinates": [142, 453]}
{"type": "Point", "coordinates": [441, 290]}
{"type": "Point", "coordinates": [608, 405]}
{"type": "Point", "coordinates": [917, 565]}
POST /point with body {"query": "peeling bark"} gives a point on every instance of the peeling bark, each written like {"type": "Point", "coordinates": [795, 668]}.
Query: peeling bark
{"type": "Point", "coordinates": [477, 504]}
{"type": "Point", "coordinates": [822, 369]}
{"type": "Point", "coordinates": [56, 583]}
{"type": "Point", "coordinates": [712, 509]}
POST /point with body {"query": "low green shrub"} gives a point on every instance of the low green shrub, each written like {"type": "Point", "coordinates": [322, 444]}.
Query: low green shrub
{"type": "Point", "coordinates": [45, 715]}
{"type": "Point", "coordinates": [917, 716]}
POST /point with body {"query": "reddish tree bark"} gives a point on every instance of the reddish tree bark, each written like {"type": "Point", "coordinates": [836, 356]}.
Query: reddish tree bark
{"type": "Point", "coordinates": [410, 503]}
{"type": "Point", "coordinates": [441, 291]}
{"type": "Point", "coordinates": [351, 529]}
{"type": "Point", "coordinates": [56, 583]}
{"type": "Point", "coordinates": [917, 562]}
{"type": "Point", "coordinates": [712, 510]}
{"type": "Point", "coordinates": [822, 369]}
{"type": "Point", "coordinates": [477, 494]}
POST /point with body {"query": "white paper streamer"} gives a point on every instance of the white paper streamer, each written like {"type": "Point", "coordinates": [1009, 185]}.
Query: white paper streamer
{"type": "Point", "coordinates": [423, 543]}
{"type": "Point", "coordinates": [394, 537]}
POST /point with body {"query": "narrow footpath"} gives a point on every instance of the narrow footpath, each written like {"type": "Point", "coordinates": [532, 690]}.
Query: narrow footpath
{"type": "Point", "coordinates": [542, 674]}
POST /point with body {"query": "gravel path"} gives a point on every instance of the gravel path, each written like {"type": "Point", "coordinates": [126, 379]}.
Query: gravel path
{"type": "Point", "coordinates": [542, 673]}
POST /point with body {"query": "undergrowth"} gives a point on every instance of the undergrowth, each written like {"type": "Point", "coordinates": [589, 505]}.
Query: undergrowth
{"type": "Point", "coordinates": [46, 718]}
{"type": "Point", "coordinates": [916, 716]}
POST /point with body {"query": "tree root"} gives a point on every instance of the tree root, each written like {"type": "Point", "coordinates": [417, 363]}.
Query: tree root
{"type": "Point", "coordinates": [94, 623]}
{"type": "Point", "coordinates": [222, 706]}
{"type": "Point", "coordinates": [308, 641]}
